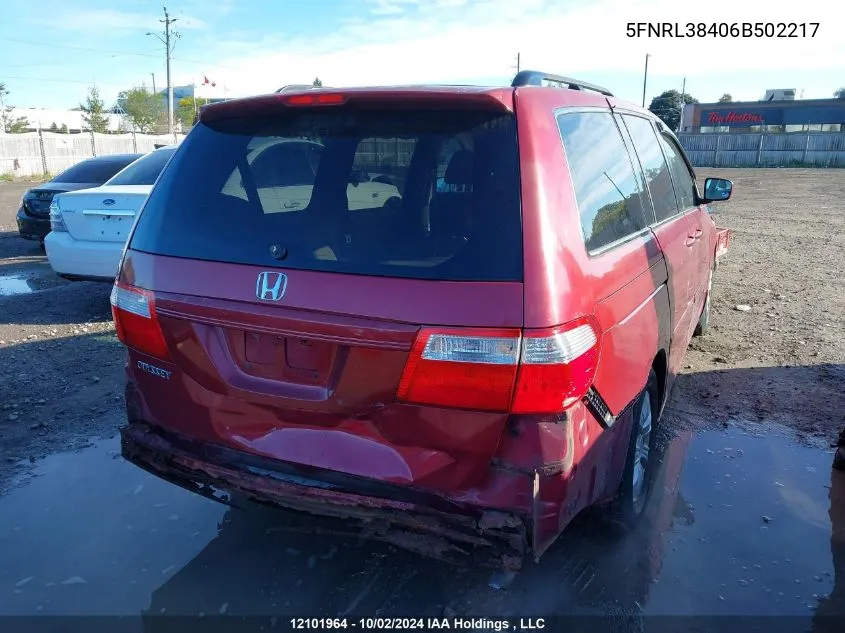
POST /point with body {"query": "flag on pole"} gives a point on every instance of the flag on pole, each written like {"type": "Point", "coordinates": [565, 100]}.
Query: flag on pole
{"type": "Point", "coordinates": [207, 82]}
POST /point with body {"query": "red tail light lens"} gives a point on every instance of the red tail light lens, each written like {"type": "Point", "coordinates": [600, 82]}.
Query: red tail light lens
{"type": "Point", "coordinates": [135, 320]}
{"type": "Point", "coordinates": [463, 369]}
{"type": "Point", "coordinates": [316, 99]}
{"type": "Point", "coordinates": [544, 371]}
{"type": "Point", "coordinates": [556, 368]}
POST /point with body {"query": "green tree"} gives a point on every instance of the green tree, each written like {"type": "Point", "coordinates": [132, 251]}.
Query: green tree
{"type": "Point", "coordinates": [667, 105]}
{"type": "Point", "coordinates": [54, 127]}
{"type": "Point", "coordinates": [94, 111]}
{"type": "Point", "coordinates": [144, 110]}
{"type": "Point", "coordinates": [186, 109]}
{"type": "Point", "coordinates": [8, 121]}
{"type": "Point", "coordinates": [64, 130]}
{"type": "Point", "coordinates": [726, 98]}
{"type": "Point", "coordinates": [840, 94]}
{"type": "Point", "coordinates": [317, 83]}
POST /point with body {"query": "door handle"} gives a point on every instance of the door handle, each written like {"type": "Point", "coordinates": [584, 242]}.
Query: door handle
{"type": "Point", "coordinates": [690, 241]}
{"type": "Point", "coordinates": [698, 233]}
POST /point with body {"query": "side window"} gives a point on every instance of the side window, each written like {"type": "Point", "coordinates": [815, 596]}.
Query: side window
{"type": "Point", "coordinates": [380, 168]}
{"type": "Point", "coordinates": [282, 171]}
{"type": "Point", "coordinates": [654, 166]}
{"type": "Point", "coordinates": [684, 183]}
{"type": "Point", "coordinates": [638, 172]}
{"type": "Point", "coordinates": [282, 165]}
{"type": "Point", "coordinates": [384, 159]}
{"type": "Point", "coordinates": [452, 175]}
{"type": "Point", "coordinates": [313, 154]}
{"type": "Point", "coordinates": [606, 188]}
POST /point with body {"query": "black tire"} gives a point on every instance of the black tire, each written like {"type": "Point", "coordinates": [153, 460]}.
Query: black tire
{"type": "Point", "coordinates": [704, 320]}
{"type": "Point", "coordinates": [629, 507]}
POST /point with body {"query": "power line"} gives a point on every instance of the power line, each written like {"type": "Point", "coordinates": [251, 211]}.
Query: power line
{"type": "Point", "coordinates": [64, 81]}
{"type": "Point", "coordinates": [81, 48]}
{"type": "Point", "coordinates": [134, 54]}
{"type": "Point", "coordinates": [33, 64]}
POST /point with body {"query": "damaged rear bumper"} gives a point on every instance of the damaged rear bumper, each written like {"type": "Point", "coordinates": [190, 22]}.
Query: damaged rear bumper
{"type": "Point", "coordinates": [329, 502]}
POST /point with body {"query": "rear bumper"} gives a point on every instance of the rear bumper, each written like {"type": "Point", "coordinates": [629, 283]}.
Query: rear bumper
{"type": "Point", "coordinates": [82, 258]}
{"type": "Point", "coordinates": [32, 228]}
{"type": "Point", "coordinates": [324, 502]}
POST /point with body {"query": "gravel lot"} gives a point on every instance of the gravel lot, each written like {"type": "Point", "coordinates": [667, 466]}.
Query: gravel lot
{"type": "Point", "coordinates": [89, 534]}
{"type": "Point", "coordinates": [60, 361]}
{"type": "Point", "coordinates": [61, 366]}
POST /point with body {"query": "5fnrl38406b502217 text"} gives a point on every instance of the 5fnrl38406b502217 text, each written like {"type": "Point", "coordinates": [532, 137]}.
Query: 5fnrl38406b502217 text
{"type": "Point", "coordinates": [723, 29]}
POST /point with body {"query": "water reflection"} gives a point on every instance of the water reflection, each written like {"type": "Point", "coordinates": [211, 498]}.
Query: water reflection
{"type": "Point", "coordinates": [16, 285]}
{"type": "Point", "coordinates": [830, 614]}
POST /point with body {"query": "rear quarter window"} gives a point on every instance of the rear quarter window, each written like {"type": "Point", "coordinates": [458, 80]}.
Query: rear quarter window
{"type": "Point", "coordinates": [143, 171]}
{"type": "Point", "coordinates": [427, 194]}
{"type": "Point", "coordinates": [607, 190]}
{"type": "Point", "coordinates": [93, 171]}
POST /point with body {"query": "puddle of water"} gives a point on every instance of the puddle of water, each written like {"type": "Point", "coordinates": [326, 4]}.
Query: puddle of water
{"type": "Point", "coordinates": [16, 285]}
{"type": "Point", "coordinates": [89, 524]}
{"type": "Point", "coordinates": [740, 523]}
{"type": "Point", "coordinates": [19, 283]}
{"type": "Point", "coordinates": [754, 527]}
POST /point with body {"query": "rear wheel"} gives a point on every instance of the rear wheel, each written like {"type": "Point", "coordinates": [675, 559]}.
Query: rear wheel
{"type": "Point", "coordinates": [634, 489]}
{"type": "Point", "coordinates": [704, 320]}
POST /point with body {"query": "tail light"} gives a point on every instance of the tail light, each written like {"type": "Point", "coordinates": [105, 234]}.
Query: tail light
{"type": "Point", "coordinates": [466, 369]}
{"type": "Point", "coordinates": [135, 320]}
{"type": "Point", "coordinates": [57, 222]}
{"type": "Point", "coordinates": [556, 368]}
{"type": "Point", "coordinates": [535, 371]}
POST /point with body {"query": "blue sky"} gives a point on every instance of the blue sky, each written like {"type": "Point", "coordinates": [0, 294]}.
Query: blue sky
{"type": "Point", "coordinates": [51, 53]}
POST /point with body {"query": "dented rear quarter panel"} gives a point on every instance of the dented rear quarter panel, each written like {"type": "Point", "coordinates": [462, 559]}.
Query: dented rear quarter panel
{"type": "Point", "coordinates": [622, 287]}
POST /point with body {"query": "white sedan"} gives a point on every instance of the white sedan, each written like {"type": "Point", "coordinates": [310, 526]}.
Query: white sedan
{"type": "Point", "coordinates": [88, 228]}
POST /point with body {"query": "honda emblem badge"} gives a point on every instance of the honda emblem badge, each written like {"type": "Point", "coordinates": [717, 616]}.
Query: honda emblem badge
{"type": "Point", "coordinates": [271, 286]}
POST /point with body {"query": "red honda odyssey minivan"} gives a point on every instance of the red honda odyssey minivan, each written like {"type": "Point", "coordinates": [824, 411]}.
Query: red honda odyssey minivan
{"type": "Point", "coordinates": [446, 316]}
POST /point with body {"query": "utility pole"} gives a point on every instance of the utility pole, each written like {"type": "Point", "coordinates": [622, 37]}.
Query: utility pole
{"type": "Point", "coordinates": [517, 63]}
{"type": "Point", "coordinates": [168, 41]}
{"type": "Point", "coordinates": [645, 76]}
{"type": "Point", "coordinates": [3, 113]}
{"type": "Point", "coordinates": [683, 103]}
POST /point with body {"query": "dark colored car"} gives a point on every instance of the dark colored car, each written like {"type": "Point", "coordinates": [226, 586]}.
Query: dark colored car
{"type": "Point", "coordinates": [459, 366]}
{"type": "Point", "coordinates": [34, 213]}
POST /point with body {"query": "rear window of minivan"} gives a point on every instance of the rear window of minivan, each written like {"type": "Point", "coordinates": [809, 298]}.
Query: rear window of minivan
{"type": "Point", "coordinates": [422, 193]}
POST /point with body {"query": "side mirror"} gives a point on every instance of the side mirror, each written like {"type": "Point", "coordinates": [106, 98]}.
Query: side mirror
{"type": "Point", "coordinates": [717, 189]}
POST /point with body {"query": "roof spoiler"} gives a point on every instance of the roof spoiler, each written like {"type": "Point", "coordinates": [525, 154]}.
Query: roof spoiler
{"type": "Point", "coordinates": [538, 78]}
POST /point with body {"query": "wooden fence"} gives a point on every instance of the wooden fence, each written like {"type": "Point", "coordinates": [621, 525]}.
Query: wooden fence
{"type": "Point", "coordinates": [798, 149]}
